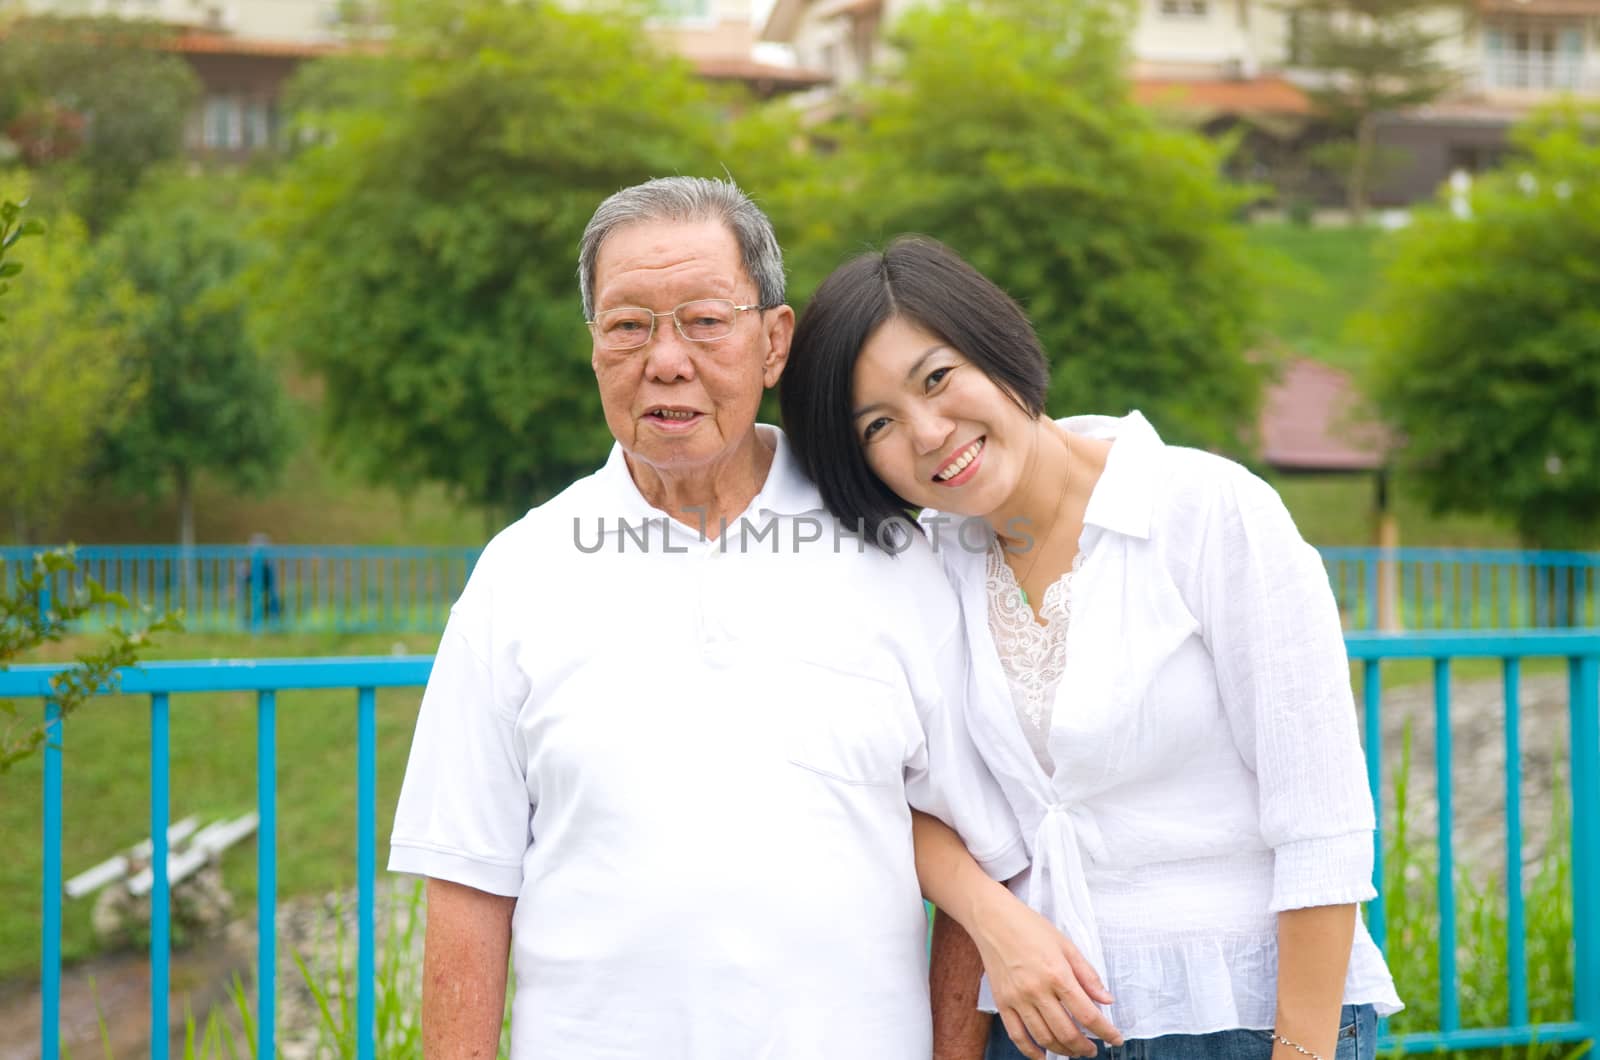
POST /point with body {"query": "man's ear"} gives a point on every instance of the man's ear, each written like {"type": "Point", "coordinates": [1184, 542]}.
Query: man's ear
{"type": "Point", "coordinates": [779, 325]}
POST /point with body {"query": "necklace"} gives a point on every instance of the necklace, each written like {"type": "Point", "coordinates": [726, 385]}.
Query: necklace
{"type": "Point", "coordinates": [1055, 521]}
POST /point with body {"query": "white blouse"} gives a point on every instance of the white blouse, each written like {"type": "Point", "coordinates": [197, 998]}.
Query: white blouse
{"type": "Point", "coordinates": [1207, 772]}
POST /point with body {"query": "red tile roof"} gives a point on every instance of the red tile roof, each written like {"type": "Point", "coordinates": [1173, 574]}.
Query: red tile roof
{"type": "Point", "coordinates": [1261, 95]}
{"type": "Point", "coordinates": [1312, 422]}
{"type": "Point", "coordinates": [196, 43]}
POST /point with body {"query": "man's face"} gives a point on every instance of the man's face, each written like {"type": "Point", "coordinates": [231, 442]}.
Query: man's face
{"type": "Point", "coordinates": [674, 404]}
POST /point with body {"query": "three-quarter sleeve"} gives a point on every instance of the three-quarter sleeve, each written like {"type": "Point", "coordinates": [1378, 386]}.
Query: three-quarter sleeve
{"type": "Point", "coordinates": [948, 778]}
{"type": "Point", "coordinates": [1272, 626]}
{"type": "Point", "coordinates": [464, 813]}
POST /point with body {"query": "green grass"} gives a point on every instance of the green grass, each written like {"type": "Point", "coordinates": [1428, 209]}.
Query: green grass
{"type": "Point", "coordinates": [317, 502]}
{"type": "Point", "coordinates": [1314, 281]}
{"type": "Point", "coordinates": [106, 787]}
{"type": "Point", "coordinates": [1339, 510]}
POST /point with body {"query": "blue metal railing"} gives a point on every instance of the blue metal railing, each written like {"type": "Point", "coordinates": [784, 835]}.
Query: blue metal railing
{"type": "Point", "coordinates": [1454, 588]}
{"type": "Point", "coordinates": [305, 588]}
{"type": "Point", "coordinates": [1581, 649]}
{"type": "Point", "coordinates": [266, 678]}
{"type": "Point", "coordinates": [290, 588]}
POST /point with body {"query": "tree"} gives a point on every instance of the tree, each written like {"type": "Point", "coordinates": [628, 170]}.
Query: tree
{"type": "Point", "coordinates": [208, 401]}
{"type": "Point", "coordinates": [1372, 57]}
{"type": "Point", "coordinates": [1007, 131]}
{"type": "Point", "coordinates": [95, 102]}
{"type": "Point", "coordinates": [62, 357]}
{"type": "Point", "coordinates": [28, 614]}
{"type": "Point", "coordinates": [1488, 340]}
{"type": "Point", "coordinates": [430, 239]}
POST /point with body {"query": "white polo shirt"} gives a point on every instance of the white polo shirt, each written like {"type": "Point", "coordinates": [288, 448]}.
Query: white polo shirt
{"type": "Point", "coordinates": [691, 762]}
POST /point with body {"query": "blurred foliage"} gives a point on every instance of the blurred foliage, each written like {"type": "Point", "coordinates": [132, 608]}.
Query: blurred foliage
{"type": "Point", "coordinates": [30, 615]}
{"type": "Point", "coordinates": [1008, 132]}
{"type": "Point", "coordinates": [13, 229]}
{"type": "Point", "coordinates": [207, 400]}
{"type": "Point", "coordinates": [1488, 339]}
{"type": "Point", "coordinates": [61, 355]}
{"type": "Point", "coordinates": [93, 103]}
{"type": "Point", "coordinates": [430, 235]}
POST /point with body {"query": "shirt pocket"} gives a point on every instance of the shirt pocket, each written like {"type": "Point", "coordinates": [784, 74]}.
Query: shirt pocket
{"type": "Point", "coordinates": [840, 725]}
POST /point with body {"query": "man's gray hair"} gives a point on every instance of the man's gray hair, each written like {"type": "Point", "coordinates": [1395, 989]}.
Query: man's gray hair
{"type": "Point", "coordinates": [686, 200]}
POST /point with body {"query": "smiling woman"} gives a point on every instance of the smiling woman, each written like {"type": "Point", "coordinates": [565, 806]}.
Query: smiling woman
{"type": "Point", "coordinates": [1157, 680]}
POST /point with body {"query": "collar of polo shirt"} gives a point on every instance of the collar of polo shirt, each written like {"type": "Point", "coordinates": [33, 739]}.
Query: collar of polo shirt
{"type": "Point", "coordinates": [786, 491]}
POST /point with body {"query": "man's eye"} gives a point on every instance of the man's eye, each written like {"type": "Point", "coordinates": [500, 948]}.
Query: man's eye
{"type": "Point", "coordinates": [626, 325]}
{"type": "Point", "coordinates": [936, 377]}
{"type": "Point", "coordinates": [874, 427]}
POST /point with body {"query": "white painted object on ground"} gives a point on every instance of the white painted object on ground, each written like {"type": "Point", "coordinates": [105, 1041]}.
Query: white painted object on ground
{"type": "Point", "coordinates": [92, 879]}
{"type": "Point", "coordinates": [210, 841]}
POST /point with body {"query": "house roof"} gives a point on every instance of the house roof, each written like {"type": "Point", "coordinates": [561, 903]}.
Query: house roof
{"type": "Point", "coordinates": [1260, 95]}
{"type": "Point", "coordinates": [1312, 422]}
{"type": "Point", "coordinates": [198, 43]}
{"type": "Point", "coordinates": [1590, 8]}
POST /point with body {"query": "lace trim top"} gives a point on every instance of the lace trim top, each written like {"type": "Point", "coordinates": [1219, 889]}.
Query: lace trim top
{"type": "Point", "coordinates": [1033, 655]}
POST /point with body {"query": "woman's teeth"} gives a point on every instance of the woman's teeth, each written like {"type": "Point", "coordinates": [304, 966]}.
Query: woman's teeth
{"type": "Point", "coordinates": [960, 463]}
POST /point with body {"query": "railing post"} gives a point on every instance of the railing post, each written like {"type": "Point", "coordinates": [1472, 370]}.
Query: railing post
{"type": "Point", "coordinates": [257, 587]}
{"type": "Point", "coordinates": [1584, 703]}
{"type": "Point", "coordinates": [1372, 694]}
{"type": "Point", "coordinates": [366, 869]}
{"type": "Point", "coordinates": [1449, 997]}
{"type": "Point", "coordinates": [160, 894]}
{"type": "Point", "coordinates": [1373, 602]}
{"type": "Point", "coordinates": [1516, 925]}
{"type": "Point", "coordinates": [266, 872]}
{"type": "Point", "coordinates": [50, 962]}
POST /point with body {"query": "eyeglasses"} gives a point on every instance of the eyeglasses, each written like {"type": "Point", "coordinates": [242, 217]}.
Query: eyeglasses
{"type": "Point", "coordinates": [703, 320]}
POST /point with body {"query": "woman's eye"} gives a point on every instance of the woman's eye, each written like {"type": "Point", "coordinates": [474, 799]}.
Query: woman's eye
{"type": "Point", "coordinates": [936, 377]}
{"type": "Point", "coordinates": [874, 427]}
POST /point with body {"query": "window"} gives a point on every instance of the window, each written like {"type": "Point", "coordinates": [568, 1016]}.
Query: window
{"type": "Point", "coordinates": [683, 10]}
{"type": "Point", "coordinates": [224, 124]}
{"type": "Point", "coordinates": [1533, 54]}
{"type": "Point", "coordinates": [232, 122]}
{"type": "Point", "coordinates": [1183, 8]}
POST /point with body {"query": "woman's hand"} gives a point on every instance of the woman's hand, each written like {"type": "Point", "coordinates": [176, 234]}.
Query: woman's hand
{"type": "Point", "coordinates": [1040, 982]}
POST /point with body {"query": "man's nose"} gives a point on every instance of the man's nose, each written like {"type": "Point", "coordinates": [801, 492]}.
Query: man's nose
{"type": "Point", "coordinates": [668, 356]}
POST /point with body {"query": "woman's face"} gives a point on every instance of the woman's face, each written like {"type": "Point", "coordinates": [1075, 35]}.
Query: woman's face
{"type": "Point", "coordinates": [933, 427]}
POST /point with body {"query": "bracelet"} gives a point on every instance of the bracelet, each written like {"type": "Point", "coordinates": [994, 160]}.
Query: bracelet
{"type": "Point", "coordinates": [1296, 1046]}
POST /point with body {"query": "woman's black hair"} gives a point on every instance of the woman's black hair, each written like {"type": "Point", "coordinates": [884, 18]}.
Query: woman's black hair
{"type": "Point", "coordinates": [923, 282]}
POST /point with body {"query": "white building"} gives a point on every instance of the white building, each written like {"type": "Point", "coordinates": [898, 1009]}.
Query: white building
{"type": "Point", "coordinates": [1235, 59]}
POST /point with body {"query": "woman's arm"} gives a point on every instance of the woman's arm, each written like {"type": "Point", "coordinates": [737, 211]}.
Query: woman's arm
{"type": "Point", "coordinates": [1038, 977]}
{"type": "Point", "coordinates": [1313, 953]}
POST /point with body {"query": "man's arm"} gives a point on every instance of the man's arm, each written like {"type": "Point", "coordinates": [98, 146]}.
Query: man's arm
{"type": "Point", "coordinates": [464, 971]}
{"type": "Point", "coordinates": [960, 1030]}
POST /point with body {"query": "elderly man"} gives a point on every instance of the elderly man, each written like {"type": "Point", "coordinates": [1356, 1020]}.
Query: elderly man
{"type": "Point", "coordinates": [676, 725]}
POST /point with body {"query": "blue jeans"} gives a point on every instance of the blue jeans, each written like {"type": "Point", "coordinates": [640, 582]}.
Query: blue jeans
{"type": "Point", "coordinates": [1358, 1040]}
